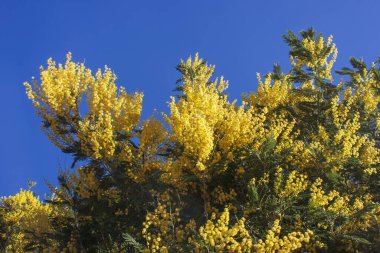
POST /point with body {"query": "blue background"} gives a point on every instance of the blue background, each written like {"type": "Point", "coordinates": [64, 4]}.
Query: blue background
{"type": "Point", "coordinates": [143, 41]}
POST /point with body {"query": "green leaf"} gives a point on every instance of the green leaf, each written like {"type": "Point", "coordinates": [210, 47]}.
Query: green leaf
{"type": "Point", "coordinates": [269, 145]}
{"type": "Point", "coordinates": [333, 176]}
{"type": "Point", "coordinates": [357, 239]}
{"type": "Point", "coordinates": [129, 240]}
{"type": "Point", "coordinates": [252, 193]}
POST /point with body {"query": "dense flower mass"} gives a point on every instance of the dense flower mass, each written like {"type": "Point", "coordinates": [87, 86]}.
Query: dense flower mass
{"type": "Point", "coordinates": [111, 111]}
{"type": "Point", "coordinates": [25, 218]}
{"type": "Point", "coordinates": [293, 168]}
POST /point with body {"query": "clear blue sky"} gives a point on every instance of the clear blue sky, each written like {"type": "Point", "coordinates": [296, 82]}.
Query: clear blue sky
{"type": "Point", "coordinates": [142, 41]}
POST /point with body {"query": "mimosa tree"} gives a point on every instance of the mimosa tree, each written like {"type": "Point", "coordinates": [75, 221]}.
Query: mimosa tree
{"type": "Point", "coordinates": [293, 168]}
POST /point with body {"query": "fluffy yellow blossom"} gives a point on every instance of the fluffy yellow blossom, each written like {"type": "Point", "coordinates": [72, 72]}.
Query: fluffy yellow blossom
{"type": "Point", "coordinates": [301, 156]}
{"type": "Point", "coordinates": [317, 49]}
{"type": "Point", "coordinates": [153, 133]}
{"type": "Point", "coordinates": [370, 171]}
{"type": "Point", "coordinates": [111, 116]}
{"type": "Point", "coordinates": [294, 185]}
{"type": "Point", "coordinates": [220, 237]}
{"type": "Point", "coordinates": [195, 71]}
{"type": "Point", "coordinates": [322, 132]}
{"type": "Point", "coordinates": [158, 228]}
{"type": "Point", "coordinates": [58, 96]}
{"type": "Point", "coordinates": [333, 201]}
{"type": "Point", "coordinates": [21, 213]}
{"type": "Point", "coordinates": [271, 94]}
{"type": "Point", "coordinates": [264, 180]}
{"type": "Point", "coordinates": [111, 112]}
{"type": "Point", "coordinates": [288, 243]}
{"type": "Point", "coordinates": [221, 197]}
{"type": "Point", "coordinates": [86, 182]}
{"type": "Point", "coordinates": [263, 159]}
{"type": "Point", "coordinates": [240, 127]}
{"type": "Point", "coordinates": [203, 121]}
{"type": "Point", "coordinates": [365, 91]}
{"type": "Point", "coordinates": [318, 196]}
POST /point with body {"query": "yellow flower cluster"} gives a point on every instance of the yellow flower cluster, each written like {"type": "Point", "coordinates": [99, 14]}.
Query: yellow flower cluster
{"type": "Point", "coordinates": [294, 185]}
{"type": "Point", "coordinates": [153, 133]}
{"type": "Point", "coordinates": [318, 196]}
{"type": "Point", "coordinates": [271, 94]}
{"type": "Point", "coordinates": [58, 96]}
{"type": "Point", "coordinates": [301, 155]}
{"type": "Point", "coordinates": [335, 202]}
{"type": "Point", "coordinates": [163, 222]}
{"type": "Point", "coordinates": [370, 171]}
{"type": "Point", "coordinates": [323, 134]}
{"type": "Point", "coordinates": [60, 88]}
{"type": "Point", "coordinates": [348, 141]}
{"type": "Point", "coordinates": [319, 59]}
{"type": "Point", "coordinates": [192, 120]}
{"type": "Point", "coordinates": [369, 154]}
{"type": "Point", "coordinates": [111, 111]}
{"type": "Point", "coordinates": [282, 130]}
{"type": "Point", "coordinates": [195, 71]}
{"type": "Point", "coordinates": [221, 238]}
{"type": "Point", "coordinates": [288, 243]}
{"type": "Point", "coordinates": [20, 213]}
{"type": "Point", "coordinates": [203, 121]}
{"type": "Point", "coordinates": [351, 143]}
{"type": "Point", "coordinates": [370, 219]}
{"type": "Point", "coordinates": [214, 152]}
{"type": "Point", "coordinates": [365, 91]}
{"type": "Point", "coordinates": [240, 127]}
{"type": "Point", "coordinates": [86, 182]}
{"type": "Point", "coordinates": [221, 197]}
